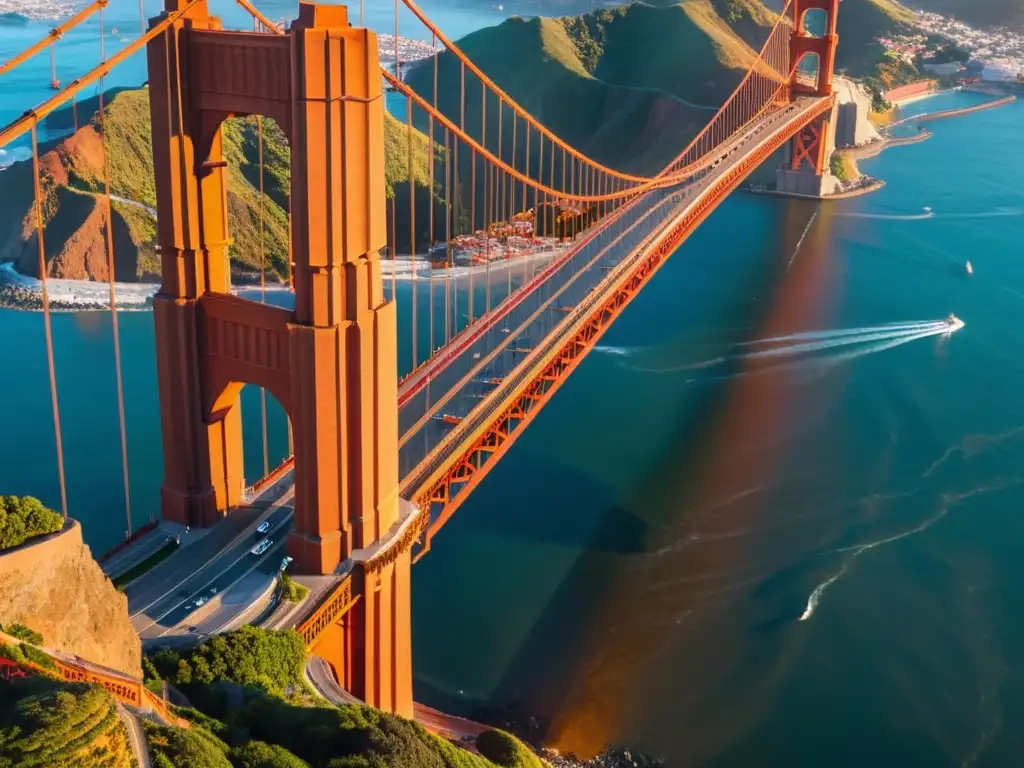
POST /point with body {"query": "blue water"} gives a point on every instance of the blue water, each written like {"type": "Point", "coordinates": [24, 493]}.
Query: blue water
{"type": "Point", "coordinates": [636, 569]}
{"type": "Point", "coordinates": [656, 535]}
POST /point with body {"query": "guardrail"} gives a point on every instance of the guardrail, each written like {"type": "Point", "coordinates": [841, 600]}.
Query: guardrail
{"type": "Point", "coordinates": [275, 474]}
{"type": "Point", "coordinates": [124, 688]}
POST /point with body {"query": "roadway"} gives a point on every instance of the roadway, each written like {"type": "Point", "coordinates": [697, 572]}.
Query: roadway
{"type": "Point", "coordinates": [164, 602]}
{"type": "Point", "coordinates": [481, 375]}
{"type": "Point", "coordinates": [457, 729]}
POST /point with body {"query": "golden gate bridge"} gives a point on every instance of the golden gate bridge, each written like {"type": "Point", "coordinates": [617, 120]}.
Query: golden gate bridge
{"type": "Point", "coordinates": [381, 462]}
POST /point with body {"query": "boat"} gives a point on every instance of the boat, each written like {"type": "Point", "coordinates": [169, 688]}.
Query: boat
{"type": "Point", "coordinates": [927, 209]}
{"type": "Point", "coordinates": [954, 323]}
{"type": "Point", "coordinates": [970, 269]}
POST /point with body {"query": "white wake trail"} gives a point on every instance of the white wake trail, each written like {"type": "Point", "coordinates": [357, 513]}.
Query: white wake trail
{"type": "Point", "coordinates": [809, 335]}
{"type": "Point", "coordinates": [827, 340]}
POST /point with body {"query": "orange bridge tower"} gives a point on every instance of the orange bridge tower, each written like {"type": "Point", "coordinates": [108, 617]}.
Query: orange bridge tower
{"type": "Point", "coordinates": [332, 362]}
{"type": "Point", "coordinates": [812, 60]}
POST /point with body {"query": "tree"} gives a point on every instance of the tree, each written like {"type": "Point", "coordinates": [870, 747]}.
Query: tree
{"type": "Point", "coordinates": [506, 750]}
{"type": "Point", "coordinates": [22, 517]}
{"type": "Point", "coordinates": [259, 754]}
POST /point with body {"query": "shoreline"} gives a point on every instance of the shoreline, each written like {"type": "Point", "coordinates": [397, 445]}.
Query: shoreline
{"type": "Point", "coordinates": [23, 293]}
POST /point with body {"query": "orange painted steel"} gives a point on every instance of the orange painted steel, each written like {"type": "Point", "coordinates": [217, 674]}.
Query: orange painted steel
{"type": "Point", "coordinates": [23, 124]}
{"type": "Point", "coordinates": [335, 605]}
{"type": "Point", "coordinates": [494, 160]}
{"type": "Point", "coordinates": [330, 362]}
{"type": "Point", "coordinates": [52, 37]}
{"type": "Point", "coordinates": [530, 119]}
{"type": "Point", "coordinates": [124, 688]}
{"type": "Point", "coordinates": [766, 53]}
{"type": "Point", "coordinates": [473, 463]}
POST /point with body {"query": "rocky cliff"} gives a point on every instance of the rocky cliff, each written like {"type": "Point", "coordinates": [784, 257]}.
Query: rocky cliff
{"type": "Point", "coordinates": [53, 586]}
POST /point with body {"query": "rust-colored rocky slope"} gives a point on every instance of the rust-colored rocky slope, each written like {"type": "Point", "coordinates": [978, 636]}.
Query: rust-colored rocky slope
{"type": "Point", "coordinates": [54, 586]}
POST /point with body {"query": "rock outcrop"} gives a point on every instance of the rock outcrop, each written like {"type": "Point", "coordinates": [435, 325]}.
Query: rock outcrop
{"type": "Point", "coordinates": [54, 586]}
{"type": "Point", "coordinates": [853, 128]}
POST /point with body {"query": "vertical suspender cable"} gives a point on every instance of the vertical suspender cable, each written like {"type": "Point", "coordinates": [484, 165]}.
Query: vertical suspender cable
{"type": "Point", "coordinates": [431, 202]}
{"type": "Point", "coordinates": [412, 226]}
{"type": "Point", "coordinates": [263, 293]}
{"type": "Point", "coordinates": [394, 194]}
{"type": "Point", "coordinates": [111, 274]}
{"type": "Point", "coordinates": [511, 209]}
{"type": "Point", "coordinates": [46, 320]}
{"type": "Point", "coordinates": [486, 216]}
{"type": "Point", "coordinates": [447, 240]}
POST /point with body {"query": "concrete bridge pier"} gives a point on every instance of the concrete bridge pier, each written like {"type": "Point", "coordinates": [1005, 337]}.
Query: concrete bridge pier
{"type": "Point", "coordinates": [805, 167]}
{"type": "Point", "coordinates": [805, 164]}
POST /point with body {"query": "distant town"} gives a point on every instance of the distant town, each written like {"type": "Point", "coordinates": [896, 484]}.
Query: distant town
{"type": "Point", "coordinates": [996, 55]}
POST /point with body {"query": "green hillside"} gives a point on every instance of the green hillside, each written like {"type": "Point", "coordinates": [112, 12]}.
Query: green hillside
{"type": "Point", "coordinates": [609, 82]}
{"type": "Point", "coordinates": [48, 723]}
{"type": "Point", "coordinates": [253, 709]}
{"type": "Point", "coordinates": [74, 215]}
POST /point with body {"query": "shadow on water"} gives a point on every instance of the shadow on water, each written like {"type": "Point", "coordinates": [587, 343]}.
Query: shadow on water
{"type": "Point", "coordinates": [581, 628]}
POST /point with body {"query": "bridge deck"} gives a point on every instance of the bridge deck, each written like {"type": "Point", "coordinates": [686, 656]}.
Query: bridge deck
{"type": "Point", "coordinates": [503, 357]}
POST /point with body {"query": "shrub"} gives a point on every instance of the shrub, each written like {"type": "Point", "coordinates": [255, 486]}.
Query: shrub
{"type": "Point", "coordinates": [36, 656]}
{"type": "Point", "coordinates": [271, 660]}
{"type": "Point", "coordinates": [46, 723]}
{"type": "Point", "coordinates": [185, 748]}
{"type": "Point", "coordinates": [259, 754]}
{"type": "Point", "coordinates": [23, 517]}
{"type": "Point", "coordinates": [22, 632]}
{"type": "Point", "coordinates": [506, 750]}
{"type": "Point", "coordinates": [291, 591]}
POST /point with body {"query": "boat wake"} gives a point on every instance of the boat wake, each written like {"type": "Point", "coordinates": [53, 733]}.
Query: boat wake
{"type": "Point", "coordinates": [815, 598]}
{"type": "Point", "coordinates": [863, 341]}
{"type": "Point", "coordinates": [616, 351]}
{"type": "Point", "coordinates": [928, 213]}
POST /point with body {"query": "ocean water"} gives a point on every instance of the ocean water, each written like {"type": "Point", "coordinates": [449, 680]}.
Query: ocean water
{"type": "Point", "coordinates": [808, 558]}
{"type": "Point", "coordinates": [713, 548]}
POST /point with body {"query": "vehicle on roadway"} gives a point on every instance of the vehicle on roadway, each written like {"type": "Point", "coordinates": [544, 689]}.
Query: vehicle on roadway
{"type": "Point", "coordinates": [200, 601]}
{"type": "Point", "coordinates": [263, 527]}
{"type": "Point", "coordinates": [285, 562]}
{"type": "Point", "coordinates": [262, 547]}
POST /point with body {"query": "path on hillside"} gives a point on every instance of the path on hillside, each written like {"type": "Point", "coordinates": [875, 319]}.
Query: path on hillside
{"type": "Point", "coordinates": [136, 736]}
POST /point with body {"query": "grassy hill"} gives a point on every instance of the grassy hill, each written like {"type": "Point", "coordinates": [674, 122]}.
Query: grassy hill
{"type": "Point", "coordinates": [47, 723]}
{"type": "Point", "coordinates": [628, 86]}
{"type": "Point", "coordinates": [75, 218]}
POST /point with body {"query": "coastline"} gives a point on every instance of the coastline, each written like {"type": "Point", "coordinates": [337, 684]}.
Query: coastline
{"type": "Point", "coordinates": [23, 293]}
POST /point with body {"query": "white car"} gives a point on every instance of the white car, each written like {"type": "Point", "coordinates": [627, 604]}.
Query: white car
{"type": "Point", "coordinates": [262, 547]}
{"type": "Point", "coordinates": [263, 527]}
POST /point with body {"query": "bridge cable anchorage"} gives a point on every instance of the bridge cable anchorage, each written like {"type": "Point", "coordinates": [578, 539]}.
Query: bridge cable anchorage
{"type": "Point", "coordinates": [111, 280]}
{"type": "Point", "coordinates": [46, 320]}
